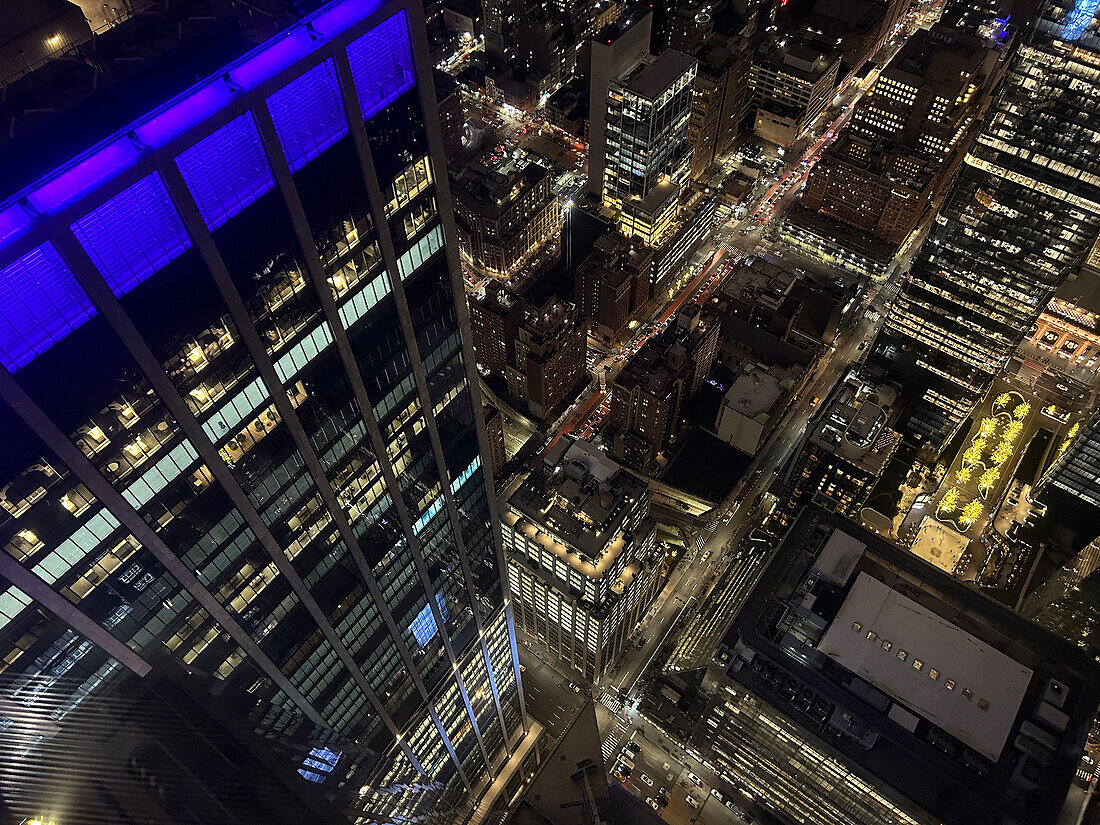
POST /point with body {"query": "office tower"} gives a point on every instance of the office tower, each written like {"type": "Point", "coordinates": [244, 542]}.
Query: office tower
{"type": "Point", "coordinates": [648, 154]}
{"type": "Point", "coordinates": [862, 685]}
{"type": "Point", "coordinates": [1071, 487]}
{"type": "Point", "coordinates": [857, 29]}
{"type": "Point", "coordinates": [1066, 603]}
{"type": "Point", "coordinates": [1020, 217]}
{"type": "Point", "coordinates": [240, 421]}
{"type": "Point", "coordinates": [498, 20]}
{"type": "Point", "coordinates": [495, 317]}
{"type": "Point", "coordinates": [504, 218]}
{"type": "Point", "coordinates": [845, 452]}
{"type": "Point", "coordinates": [615, 50]}
{"type": "Point", "coordinates": [494, 428]}
{"type": "Point", "coordinates": [582, 563]}
{"type": "Point", "coordinates": [790, 83]}
{"type": "Point", "coordinates": [904, 138]}
{"type": "Point", "coordinates": [718, 105]}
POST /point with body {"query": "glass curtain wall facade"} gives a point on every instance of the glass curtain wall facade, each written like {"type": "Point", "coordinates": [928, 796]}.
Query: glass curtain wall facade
{"type": "Point", "coordinates": [239, 421]}
{"type": "Point", "coordinates": [647, 137]}
{"type": "Point", "coordinates": [1020, 217]}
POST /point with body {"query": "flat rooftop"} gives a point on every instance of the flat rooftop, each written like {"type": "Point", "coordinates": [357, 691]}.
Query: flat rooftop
{"type": "Point", "coordinates": [853, 424]}
{"type": "Point", "coordinates": [753, 393]}
{"type": "Point", "coordinates": [913, 680]}
{"type": "Point", "coordinates": [962, 684]}
{"type": "Point", "coordinates": [575, 506]}
{"type": "Point", "coordinates": [654, 79]}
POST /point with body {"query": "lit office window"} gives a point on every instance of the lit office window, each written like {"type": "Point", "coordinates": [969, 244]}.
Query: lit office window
{"type": "Point", "coordinates": [227, 171]}
{"type": "Point", "coordinates": [308, 114]}
{"type": "Point", "coordinates": [134, 234]}
{"type": "Point", "coordinates": [382, 64]}
{"type": "Point", "coordinates": [40, 304]}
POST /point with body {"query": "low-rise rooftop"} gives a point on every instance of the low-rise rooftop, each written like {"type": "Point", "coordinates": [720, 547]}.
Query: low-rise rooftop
{"type": "Point", "coordinates": [912, 679]}
{"type": "Point", "coordinates": [574, 505]}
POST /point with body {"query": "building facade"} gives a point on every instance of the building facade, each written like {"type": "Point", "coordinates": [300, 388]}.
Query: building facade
{"type": "Point", "coordinates": [1020, 217]}
{"type": "Point", "coordinates": [504, 219]}
{"type": "Point", "coordinates": [648, 394]}
{"type": "Point", "coordinates": [550, 360]}
{"type": "Point", "coordinates": [648, 154]}
{"type": "Point", "coordinates": [495, 318]}
{"type": "Point", "coordinates": [241, 422]}
{"type": "Point", "coordinates": [845, 452]}
{"type": "Point", "coordinates": [718, 104]}
{"type": "Point", "coordinates": [582, 561]}
{"type": "Point", "coordinates": [612, 284]}
{"type": "Point", "coordinates": [790, 84]}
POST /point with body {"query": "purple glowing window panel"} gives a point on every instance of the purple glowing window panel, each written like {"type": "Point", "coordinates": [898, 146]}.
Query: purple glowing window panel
{"type": "Point", "coordinates": [423, 627]}
{"type": "Point", "coordinates": [134, 234]}
{"type": "Point", "coordinates": [85, 176]}
{"type": "Point", "coordinates": [64, 186]}
{"type": "Point", "coordinates": [382, 64]}
{"type": "Point", "coordinates": [40, 304]}
{"type": "Point", "coordinates": [227, 171]}
{"type": "Point", "coordinates": [14, 221]}
{"type": "Point", "coordinates": [308, 114]}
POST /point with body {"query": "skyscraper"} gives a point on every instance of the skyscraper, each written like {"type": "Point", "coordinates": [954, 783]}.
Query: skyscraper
{"type": "Point", "coordinates": [648, 155]}
{"type": "Point", "coordinates": [239, 421]}
{"type": "Point", "coordinates": [1020, 217]}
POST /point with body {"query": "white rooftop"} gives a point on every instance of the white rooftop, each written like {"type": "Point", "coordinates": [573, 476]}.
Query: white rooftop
{"type": "Point", "coordinates": [753, 393]}
{"type": "Point", "coordinates": [977, 690]}
{"type": "Point", "coordinates": [599, 465]}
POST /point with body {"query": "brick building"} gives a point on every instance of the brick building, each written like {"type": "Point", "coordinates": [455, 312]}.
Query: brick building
{"type": "Point", "coordinates": [612, 284]}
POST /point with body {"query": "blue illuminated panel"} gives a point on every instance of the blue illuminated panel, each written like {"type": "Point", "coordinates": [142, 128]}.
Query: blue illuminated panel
{"type": "Point", "coordinates": [423, 627]}
{"type": "Point", "coordinates": [382, 64]}
{"type": "Point", "coordinates": [40, 304]}
{"type": "Point", "coordinates": [319, 764]}
{"type": "Point", "coordinates": [1079, 18]}
{"type": "Point", "coordinates": [227, 171]}
{"type": "Point", "coordinates": [134, 234]}
{"type": "Point", "coordinates": [309, 114]}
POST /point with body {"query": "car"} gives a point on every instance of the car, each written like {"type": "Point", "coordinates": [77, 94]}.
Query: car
{"type": "Point", "coordinates": [813, 403]}
{"type": "Point", "coordinates": [633, 747]}
{"type": "Point", "coordinates": [645, 779]}
{"type": "Point", "coordinates": [574, 687]}
{"type": "Point", "coordinates": [745, 817]}
{"type": "Point", "coordinates": [523, 668]}
{"type": "Point", "coordinates": [717, 794]}
{"type": "Point", "coordinates": [695, 779]}
{"type": "Point", "coordinates": [651, 802]}
{"type": "Point", "coordinates": [691, 801]}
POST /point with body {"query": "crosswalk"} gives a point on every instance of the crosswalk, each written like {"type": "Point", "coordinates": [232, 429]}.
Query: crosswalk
{"type": "Point", "coordinates": [612, 703]}
{"type": "Point", "coordinates": [712, 525]}
{"type": "Point", "coordinates": [614, 740]}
